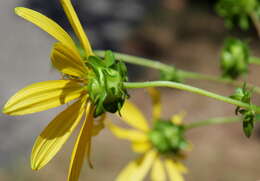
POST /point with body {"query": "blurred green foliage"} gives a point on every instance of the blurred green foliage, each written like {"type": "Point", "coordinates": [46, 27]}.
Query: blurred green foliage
{"type": "Point", "coordinates": [234, 58]}
{"type": "Point", "coordinates": [237, 12]}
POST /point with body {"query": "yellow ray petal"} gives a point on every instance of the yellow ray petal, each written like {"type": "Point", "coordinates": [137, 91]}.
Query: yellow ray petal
{"type": "Point", "coordinates": [141, 147]}
{"type": "Point", "coordinates": [82, 146]}
{"type": "Point", "coordinates": [181, 167]}
{"type": "Point", "coordinates": [76, 25]}
{"type": "Point", "coordinates": [47, 25]}
{"type": "Point", "coordinates": [178, 118]}
{"type": "Point", "coordinates": [129, 134]}
{"type": "Point", "coordinates": [158, 172]}
{"type": "Point", "coordinates": [99, 126]}
{"type": "Point", "coordinates": [42, 96]}
{"type": "Point", "coordinates": [156, 102]}
{"type": "Point", "coordinates": [127, 172]}
{"type": "Point", "coordinates": [144, 166]}
{"type": "Point", "coordinates": [173, 171]}
{"type": "Point", "coordinates": [137, 169]}
{"type": "Point", "coordinates": [56, 134]}
{"type": "Point", "coordinates": [67, 61]}
{"type": "Point", "coordinates": [132, 116]}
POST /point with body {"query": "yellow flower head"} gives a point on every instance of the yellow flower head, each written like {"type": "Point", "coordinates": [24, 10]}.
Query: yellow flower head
{"type": "Point", "coordinates": [161, 146]}
{"type": "Point", "coordinates": [94, 84]}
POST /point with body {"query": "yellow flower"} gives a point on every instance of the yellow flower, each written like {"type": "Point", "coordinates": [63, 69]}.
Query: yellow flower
{"type": "Point", "coordinates": [49, 94]}
{"type": "Point", "coordinates": [160, 163]}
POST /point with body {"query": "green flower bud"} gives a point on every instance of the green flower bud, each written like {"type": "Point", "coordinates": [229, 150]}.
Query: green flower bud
{"type": "Point", "coordinates": [159, 140]}
{"type": "Point", "coordinates": [171, 74]}
{"type": "Point", "coordinates": [249, 116]}
{"type": "Point", "coordinates": [242, 94]}
{"type": "Point", "coordinates": [168, 138]}
{"type": "Point", "coordinates": [105, 84]}
{"type": "Point", "coordinates": [236, 11]}
{"type": "Point", "coordinates": [248, 122]}
{"type": "Point", "coordinates": [234, 58]}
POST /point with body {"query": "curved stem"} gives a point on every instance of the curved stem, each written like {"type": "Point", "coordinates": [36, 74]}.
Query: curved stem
{"type": "Point", "coordinates": [254, 60]}
{"type": "Point", "coordinates": [213, 121]}
{"type": "Point", "coordinates": [183, 74]}
{"type": "Point", "coordinates": [198, 76]}
{"type": "Point", "coordinates": [192, 89]}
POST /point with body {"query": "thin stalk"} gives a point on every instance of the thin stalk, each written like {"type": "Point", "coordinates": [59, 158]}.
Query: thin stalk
{"type": "Point", "coordinates": [199, 76]}
{"type": "Point", "coordinates": [183, 74]}
{"type": "Point", "coordinates": [192, 89]}
{"type": "Point", "coordinates": [137, 60]}
{"type": "Point", "coordinates": [213, 121]}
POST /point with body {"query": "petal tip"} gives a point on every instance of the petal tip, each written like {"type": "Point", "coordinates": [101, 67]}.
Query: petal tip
{"type": "Point", "coordinates": [34, 164]}
{"type": "Point", "coordinates": [18, 10]}
{"type": "Point", "coordinates": [5, 110]}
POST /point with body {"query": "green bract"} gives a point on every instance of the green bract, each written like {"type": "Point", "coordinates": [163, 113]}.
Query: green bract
{"type": "Point", "coordinates": [236, 11]}
{"type": "Point", "coordinates": [167, 137]}
{"type": "Point", "coordinates": [234, 58]}
{"type": "Point", "coordinates": [249, 116]}
{"type": "Point", "coordinates": [105, 85]}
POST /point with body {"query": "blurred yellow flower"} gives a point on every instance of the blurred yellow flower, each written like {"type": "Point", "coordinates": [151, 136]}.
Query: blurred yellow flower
{"type": "Point", "coordinates": [160, 160]}
{"type": "Point", "coordinates": [49, 94]}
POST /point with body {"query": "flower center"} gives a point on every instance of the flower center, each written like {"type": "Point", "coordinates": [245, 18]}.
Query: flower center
{"type": "Point", "coordinates": [234, 58]}
{"type": "Point", "coordinates": [168, 138]}
{"type": "Point", "coordinates": [105, 85]}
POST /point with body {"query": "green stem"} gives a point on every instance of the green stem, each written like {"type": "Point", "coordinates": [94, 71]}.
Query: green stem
{"type": "Point", "coordinates": [137, 60]}
{"type": "Point", "coordinates": [183, 74]}
{"type": "Point", "coordinates": [198, 76]}
{"type": "Point", "coordinates": [254, 60]}
{"type": "Point", "coordinates": [190, 89]}
{"type": "Point", "coordinates": [213, 121]}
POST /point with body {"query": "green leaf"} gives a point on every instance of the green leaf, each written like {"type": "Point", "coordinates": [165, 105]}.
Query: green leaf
{"type": "Point", "coordinates": [248, 127]}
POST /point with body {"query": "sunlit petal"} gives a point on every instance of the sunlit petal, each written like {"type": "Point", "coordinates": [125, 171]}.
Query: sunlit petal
{"type": "Point", "coordinates": [156, 102]}
{"type": "Point", "coordinates": [132, 116]}
{"type": "Point", "coordinates": [144, 166]}
{"type": "Point", "coordinates": [158, 171]}
{"type": "Point", "coordinates": [67, 61]}
{"type": "Point", "coordinates": [46, 24]}
{"type": "Point", "coordinates": [129, 134]}
{"type": "Point", "coordinates": [42, 96]}
{"type": "Point", "coordinates": [76, 25]}
{"type": "Point", "coordinates": [141, 147]}
{"type": "Point", "coordinates": [173, 171]}
{"type": "Point", "coordinates": [178, 118]}
{"type": "Point", "coordinates": [137, 169]}
{"type": "Point", "coordinates": [181, 167]}
{"type": "Point", "coordinates": [82, 147]}
{"type": "Point", "coordinates": [56, 134]}
{"type": "Point", "coordinates": [127, 172]}
{"type": "Point", "coordinates": [99, 126]}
